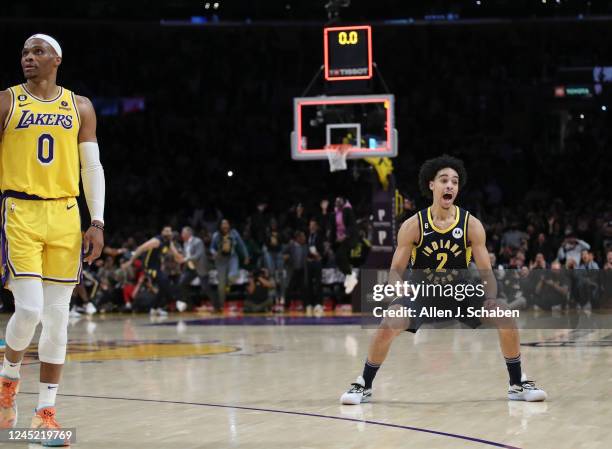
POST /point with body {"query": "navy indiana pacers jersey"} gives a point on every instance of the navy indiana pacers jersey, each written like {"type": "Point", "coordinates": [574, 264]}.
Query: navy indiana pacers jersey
{"type": "Point", "coordinates": [153, 259]}
{"type": "Point", "coordinates": [442, 249]}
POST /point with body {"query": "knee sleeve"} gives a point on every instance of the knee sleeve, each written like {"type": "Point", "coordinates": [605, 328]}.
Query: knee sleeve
{"type": "Point", "coordinates": [28, 294]}
{"type": "Point", "coordinates": [54, 335]}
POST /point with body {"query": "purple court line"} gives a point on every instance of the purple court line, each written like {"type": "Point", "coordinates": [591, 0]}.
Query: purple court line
{"type": "Point", "coordinates": [287, 412]}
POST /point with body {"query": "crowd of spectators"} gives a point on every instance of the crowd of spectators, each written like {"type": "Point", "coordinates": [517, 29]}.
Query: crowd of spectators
{"type": "Point", "coordinates": [552, 263]}
{"type": "Point", "coordinates": [263, 264]}
{"type": "Point", "coordinates": [547, 258]}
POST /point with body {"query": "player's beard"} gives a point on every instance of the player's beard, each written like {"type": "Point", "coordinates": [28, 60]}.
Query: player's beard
{"type": "Point", "coordinates": [30, 75]}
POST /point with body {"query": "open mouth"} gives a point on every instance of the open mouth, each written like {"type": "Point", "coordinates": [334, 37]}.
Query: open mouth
{"type": "Point", "coordinates": [447, 196]}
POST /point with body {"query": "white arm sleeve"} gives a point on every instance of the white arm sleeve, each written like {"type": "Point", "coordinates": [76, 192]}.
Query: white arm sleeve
{"type": "Point", "coordinates": [92, 175]}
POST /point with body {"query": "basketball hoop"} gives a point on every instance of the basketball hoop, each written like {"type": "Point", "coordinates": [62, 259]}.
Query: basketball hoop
{"type": "Point", "coordinates": [336, 155]}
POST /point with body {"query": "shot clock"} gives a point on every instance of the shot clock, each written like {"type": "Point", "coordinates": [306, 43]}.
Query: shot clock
{"type": "Point", "coordinates": [348, 53]}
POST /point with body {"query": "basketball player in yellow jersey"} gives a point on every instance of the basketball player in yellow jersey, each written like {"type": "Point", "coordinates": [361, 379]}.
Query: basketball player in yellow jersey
{"type": "Point", "coordinates": [442, 239]}
{"type": "Point", "coordinates": [48, 136]}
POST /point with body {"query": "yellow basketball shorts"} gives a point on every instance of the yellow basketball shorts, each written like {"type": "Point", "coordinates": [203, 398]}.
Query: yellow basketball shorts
{"type": "Point", "coordinates": [41, 239]}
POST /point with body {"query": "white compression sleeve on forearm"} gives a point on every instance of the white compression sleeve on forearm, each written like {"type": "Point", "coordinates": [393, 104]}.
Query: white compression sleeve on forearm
{"type": "Point", "coordinates": [92, 175]}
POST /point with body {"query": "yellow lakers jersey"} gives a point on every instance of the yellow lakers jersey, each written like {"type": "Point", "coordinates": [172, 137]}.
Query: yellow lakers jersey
{"type": "Point", "coordinates": [39, 152]}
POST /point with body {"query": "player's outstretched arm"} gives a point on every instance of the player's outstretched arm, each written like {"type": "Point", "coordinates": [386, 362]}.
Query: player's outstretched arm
{"type": "Point", "coordinates": [477, 237]}
{"type": "Point", "coordinates": [407, 237]}
{"type": "Point", "coordinates": [150, 244]}
{"type": "Point", "coordinates": [92, 175]}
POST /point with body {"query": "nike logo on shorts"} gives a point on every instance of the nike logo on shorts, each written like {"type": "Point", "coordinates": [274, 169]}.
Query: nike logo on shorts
{"type": "Point", "coordinates": [71, 206]}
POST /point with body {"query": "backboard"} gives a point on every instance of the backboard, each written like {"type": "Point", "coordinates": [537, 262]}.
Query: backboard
{"type": "Point", "coordinates": [366, 122]}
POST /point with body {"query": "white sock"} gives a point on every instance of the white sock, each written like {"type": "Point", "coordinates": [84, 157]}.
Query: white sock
{"type": "Point", "coordinates": [10, 369]}
{"type": "Point", "coordinates": [46, 395]}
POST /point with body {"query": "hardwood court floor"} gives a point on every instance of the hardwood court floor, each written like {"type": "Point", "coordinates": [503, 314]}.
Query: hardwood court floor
{"type": "Point", "coordinates": [225, 384]}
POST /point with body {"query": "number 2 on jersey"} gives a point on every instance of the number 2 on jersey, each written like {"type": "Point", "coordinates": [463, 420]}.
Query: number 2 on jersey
{"type": "Point", "coordinates": [442, 257]}
{"type": "Point", "coordinates": [45, 152]}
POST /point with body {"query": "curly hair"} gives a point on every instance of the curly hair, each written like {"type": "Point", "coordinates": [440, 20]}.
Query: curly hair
{"type": "Point", "coordinates": [431, 167]}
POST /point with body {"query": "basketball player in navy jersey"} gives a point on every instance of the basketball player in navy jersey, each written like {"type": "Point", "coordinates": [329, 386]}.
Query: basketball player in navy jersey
{"type": "Point", "coordinates": [440, 241]}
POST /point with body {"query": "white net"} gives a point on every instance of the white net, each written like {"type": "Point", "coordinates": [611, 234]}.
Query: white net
{"type": "Point", "coordinates": [336, 155]}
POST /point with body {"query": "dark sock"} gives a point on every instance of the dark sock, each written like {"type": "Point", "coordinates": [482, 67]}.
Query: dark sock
{"type": "Point", "coordinates": [514, 370]}
{"type": "Point", "coordinates": [369, 373]}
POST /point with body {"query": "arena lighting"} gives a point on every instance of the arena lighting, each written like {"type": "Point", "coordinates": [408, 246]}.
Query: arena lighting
{"type": "Point", "coordinates": [206, 5]}
{"type": "Point", "coordinates": [604, 107]}
{"type": "Point", "coordinates": [230, 174]}
{"type": "Point", "coordinates": [478, 2]}
{"type": "Point", "coordinates": [333, 7]}
{"type": "Point", "coordinates": [582, 116]}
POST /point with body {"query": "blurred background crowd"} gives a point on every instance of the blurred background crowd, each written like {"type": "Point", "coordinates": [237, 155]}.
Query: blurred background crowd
{"type": "Point", "coordinates": [299, 261]}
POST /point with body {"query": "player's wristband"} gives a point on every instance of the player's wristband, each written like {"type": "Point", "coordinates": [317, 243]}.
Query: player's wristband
{"type": "Point", "coordinates": [97, 225]}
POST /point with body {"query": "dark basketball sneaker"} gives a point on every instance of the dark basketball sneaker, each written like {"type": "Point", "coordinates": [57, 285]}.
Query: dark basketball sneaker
{"type": "Point", "coordinates": [357, 394]}
{"type": "Point", "coordinates": [527, 391]}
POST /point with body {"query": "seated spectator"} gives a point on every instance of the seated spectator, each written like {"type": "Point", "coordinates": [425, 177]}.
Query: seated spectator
{"type": "Point", "coordinates": [108, 297]}
{"type": "Point", "coordinates": [552, 288]}
{"type": "Point", "coordinates": [146, 296]}
{"type": "Point", "coordinates": [587, 261]}
{"type": "Point", "coordinates": [605, 290]}
{"type": "Point", "coordinates": [513, 288]}
{"type": "Point", "coordinates": [608, 263]}
{"type": "Point", "coordinates": [539, 263]}
{"type": "Point", "coordinates": [260, 292]}
{"type": "Point", "coordinates": [571, 248]}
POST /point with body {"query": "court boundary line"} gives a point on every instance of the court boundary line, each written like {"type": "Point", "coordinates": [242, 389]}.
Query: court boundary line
{"type": "Point", "coordinates": [289, 412]}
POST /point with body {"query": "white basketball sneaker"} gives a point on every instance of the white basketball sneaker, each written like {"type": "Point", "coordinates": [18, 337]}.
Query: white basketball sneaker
{"type": "Point", "coordinates": [527, 391]}
{"type": "Point", "coordinates": [350, 282]}
{"type": "Point", "coordinates": [181, 306]}
{"type": "Point", "coordinates": [90, 309]}
{"type": "Point", "coordinates": [357, 394]}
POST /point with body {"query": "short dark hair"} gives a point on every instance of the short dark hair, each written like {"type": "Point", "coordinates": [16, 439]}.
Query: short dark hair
{"type": "Point", "coordinates": [431, 167]}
